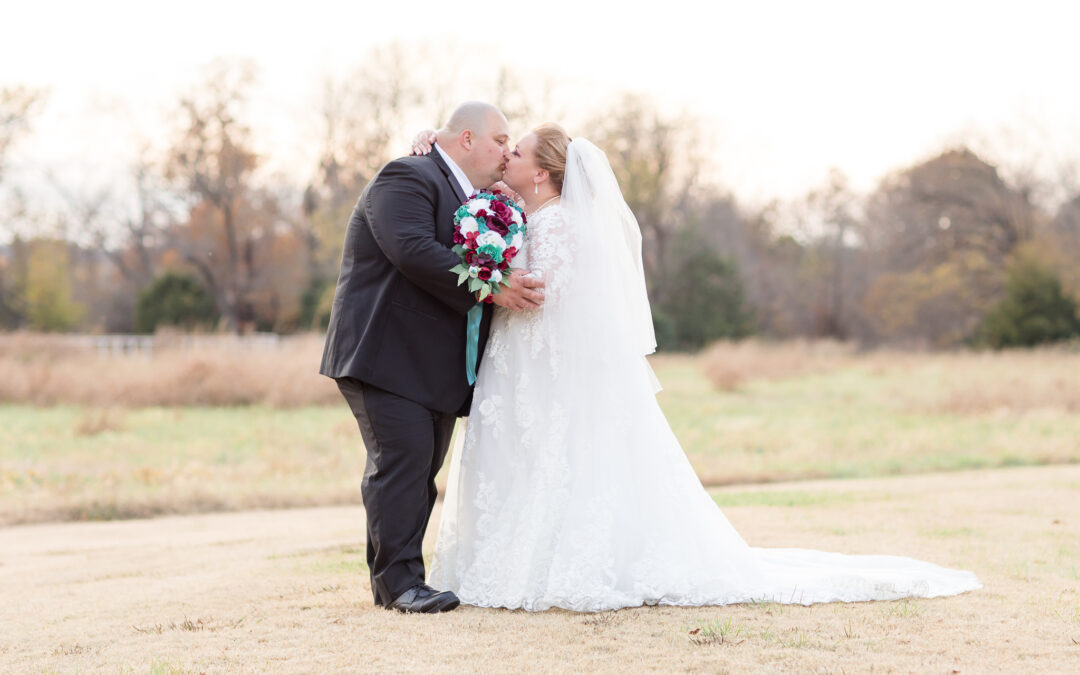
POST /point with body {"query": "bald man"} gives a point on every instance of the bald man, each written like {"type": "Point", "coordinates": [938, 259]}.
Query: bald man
{"type": "Point", "coordinates": [396, 340]}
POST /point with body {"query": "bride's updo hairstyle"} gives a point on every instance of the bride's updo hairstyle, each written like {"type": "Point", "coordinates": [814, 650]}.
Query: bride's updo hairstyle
{"type": "Point", "coordinates": [551, 143]}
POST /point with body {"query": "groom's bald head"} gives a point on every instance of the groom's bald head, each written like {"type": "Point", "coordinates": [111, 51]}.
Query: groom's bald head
{"type": "Point", "coordinates": [477, 138]}
{"type": "Point", "coordinates": [473, 115]}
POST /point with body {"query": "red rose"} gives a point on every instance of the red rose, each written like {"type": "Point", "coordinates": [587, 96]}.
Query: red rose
{"type": "Point", "coordinates": [458, 239]}
{"type": "Point", "coordinates": [485, 274]}
{"type": "Point", "coordinates": [504, 213]}
{"type": "Point", "coordinates": [470, 256]}
{"type": "Point", "coordinates": [482, 213]}
{"type": "Point", "coordinates": [498, 227]}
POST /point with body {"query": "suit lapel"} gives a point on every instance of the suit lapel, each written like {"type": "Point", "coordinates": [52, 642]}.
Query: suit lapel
{"type": "Point", "coordinates": [444, 224]}
{"type": "Point", "coordinates": [448, 174]}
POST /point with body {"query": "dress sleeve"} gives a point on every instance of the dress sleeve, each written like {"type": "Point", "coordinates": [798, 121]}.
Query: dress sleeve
{"type": "Point", "coordinates": [554, 250]}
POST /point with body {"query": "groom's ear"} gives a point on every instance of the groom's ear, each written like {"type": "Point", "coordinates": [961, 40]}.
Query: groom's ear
{"type": "Point", "coordinates": [466, 139]}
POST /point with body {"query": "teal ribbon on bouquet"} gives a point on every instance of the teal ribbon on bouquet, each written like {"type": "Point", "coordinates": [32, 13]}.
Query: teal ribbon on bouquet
{"type": "Point", "coordinates": [472, 340]}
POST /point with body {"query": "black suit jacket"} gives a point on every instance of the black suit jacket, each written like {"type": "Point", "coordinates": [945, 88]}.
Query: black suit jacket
{"type": "Point", "coordinates": [398, 318]}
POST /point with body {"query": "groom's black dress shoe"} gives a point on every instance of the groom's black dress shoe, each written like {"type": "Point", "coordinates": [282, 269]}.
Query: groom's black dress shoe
{"type": "Point", "coordinates": [423, 599]}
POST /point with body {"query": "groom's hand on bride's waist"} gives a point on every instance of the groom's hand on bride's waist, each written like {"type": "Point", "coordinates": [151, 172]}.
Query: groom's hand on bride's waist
{"type": "Point", "coordinates": [524, 293]}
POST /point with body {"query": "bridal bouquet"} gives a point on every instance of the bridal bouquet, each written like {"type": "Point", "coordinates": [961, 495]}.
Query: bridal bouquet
{"type": "Point", "coordinates": [489, 230]}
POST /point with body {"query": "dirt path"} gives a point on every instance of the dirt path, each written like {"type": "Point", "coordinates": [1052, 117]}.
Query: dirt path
{"type": "Point", "coordinates": [286, 591]}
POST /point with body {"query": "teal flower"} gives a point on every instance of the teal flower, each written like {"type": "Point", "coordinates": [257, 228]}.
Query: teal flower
{"type": "Point", "coordinates": [493, 252]}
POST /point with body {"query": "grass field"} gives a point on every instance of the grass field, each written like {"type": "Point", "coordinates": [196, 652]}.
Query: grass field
{"type": "Point", "coordinates": [935, 456]}
{"type": "Point", "coordinates": [848, 416]}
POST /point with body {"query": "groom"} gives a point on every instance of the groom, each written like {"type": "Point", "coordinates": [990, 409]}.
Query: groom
{"type": "Point", "coordinates": [396, 340]}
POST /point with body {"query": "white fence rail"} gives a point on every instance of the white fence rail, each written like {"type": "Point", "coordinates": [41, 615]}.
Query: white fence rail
{"type": "Point", "coordinates": [146, 345]}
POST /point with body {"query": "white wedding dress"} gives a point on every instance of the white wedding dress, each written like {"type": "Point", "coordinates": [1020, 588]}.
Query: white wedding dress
{"type": "Point", "coordinates": [571, 490]}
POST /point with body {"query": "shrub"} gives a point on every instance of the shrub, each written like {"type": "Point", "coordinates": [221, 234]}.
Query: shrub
{"type": "Point", "coordinates": [703, 300]}
{"type": "Point", "coordinates": [1035, 310]}
{"type": "Point", "coordinates": [174, 299]}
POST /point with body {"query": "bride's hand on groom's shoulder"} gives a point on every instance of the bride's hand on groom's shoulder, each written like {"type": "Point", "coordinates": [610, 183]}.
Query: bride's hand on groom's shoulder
{"type": "Point", "coordinates": [524, 293]}
{"type": "Point", "coordinates": [423, 142]}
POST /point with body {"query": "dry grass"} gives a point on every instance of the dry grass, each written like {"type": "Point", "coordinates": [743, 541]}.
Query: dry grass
{"type": "Point", "coordinates": [1006, 383]}
{"type": "Point", "coordinates": [94, 422]}
{"type": "Point", "coordinates": [53, 370]}
{"type": "Point", "coordinates": [287, 591]}
{"type": "Point", "coordinates": [730, 365]}
{"type": "Point", "coordinates": [46, 370]}
{"type": "Point", "coordinates": [962, 382]}
{"type": "Point", "coordinates": [828, 412]}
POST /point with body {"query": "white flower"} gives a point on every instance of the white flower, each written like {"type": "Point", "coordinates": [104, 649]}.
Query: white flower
{"type": "Point", "coordinates": [476, 205]}
{"type": "Point", "coordinates": [515, 216]}
{"type": "Point", "coordinates": [468, 225]}
{"type": "Point", "coordinates": [490, 238]}
{"type": "Point", "coordinates": [474, 271]}
{"type": "Point", "coordinates": [517, 241]}
{"type": "Point", "coordinates": [496, 276]}
{"type": "Point", "coordinates": [490, 406]}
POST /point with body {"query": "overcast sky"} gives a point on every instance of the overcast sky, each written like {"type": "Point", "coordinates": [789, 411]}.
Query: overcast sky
{"type": "Point", "coordinates": [785, 90]}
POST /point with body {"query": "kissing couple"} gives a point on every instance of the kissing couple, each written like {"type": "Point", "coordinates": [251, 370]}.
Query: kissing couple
{"type": "Point", "coordinates": [570, 489]}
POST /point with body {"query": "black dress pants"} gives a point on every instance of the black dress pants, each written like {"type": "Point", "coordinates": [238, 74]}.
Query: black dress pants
{"type": "Point", "coordinates": [406, 445]}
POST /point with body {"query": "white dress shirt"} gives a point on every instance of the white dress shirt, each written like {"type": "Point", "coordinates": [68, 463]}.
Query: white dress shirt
{"type": "Point", "coordinates": [462, 179]}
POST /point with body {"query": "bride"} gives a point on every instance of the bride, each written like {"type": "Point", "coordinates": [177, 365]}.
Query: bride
{"type": "Point", "coordinates": [570, 489]}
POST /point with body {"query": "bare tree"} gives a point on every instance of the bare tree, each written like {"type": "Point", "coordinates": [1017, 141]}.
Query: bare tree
{"type": "Point", "coordinates": [144, 224]}
{"type": "Point", "coordinates": [833, 227]}
{"type": "Point", "coordinates": [654, 161]}
{"type": "Point", "coordinates": [363, 123]}
{"type": "Point", "coordinates": [1064, 241]}
{"type": "Point", "coordinates": [526, 101]}
{"type": "Point", "coordinates": [212, 158]}
{"type": "Point", "coordinates": [16, 107]}
{"type": "Point", "coordinates": [362, 118]}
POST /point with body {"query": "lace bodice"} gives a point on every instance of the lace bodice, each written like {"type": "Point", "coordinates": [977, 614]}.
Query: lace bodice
{"type": "Point", "coordinates": [548, 249]}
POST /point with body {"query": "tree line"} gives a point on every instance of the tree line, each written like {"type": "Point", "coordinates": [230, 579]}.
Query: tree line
{"type": "Point", "coordinates": [946, 252]}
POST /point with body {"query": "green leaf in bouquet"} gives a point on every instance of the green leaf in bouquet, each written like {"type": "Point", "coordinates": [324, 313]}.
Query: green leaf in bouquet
{"type": "Point", "coordinates": [462, 276]}
{"type": "Point", "coordinates": [485, 291]}
{"type": "Point", "coordinates": [475, 284]}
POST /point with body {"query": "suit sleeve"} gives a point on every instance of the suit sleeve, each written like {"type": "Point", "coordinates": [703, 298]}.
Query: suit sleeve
{"type": "Point", "coordinates": [401, 213]}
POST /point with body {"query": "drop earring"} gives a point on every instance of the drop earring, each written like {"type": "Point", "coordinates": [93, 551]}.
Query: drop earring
{"type": "Point", "coordinates": [536, 188]}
